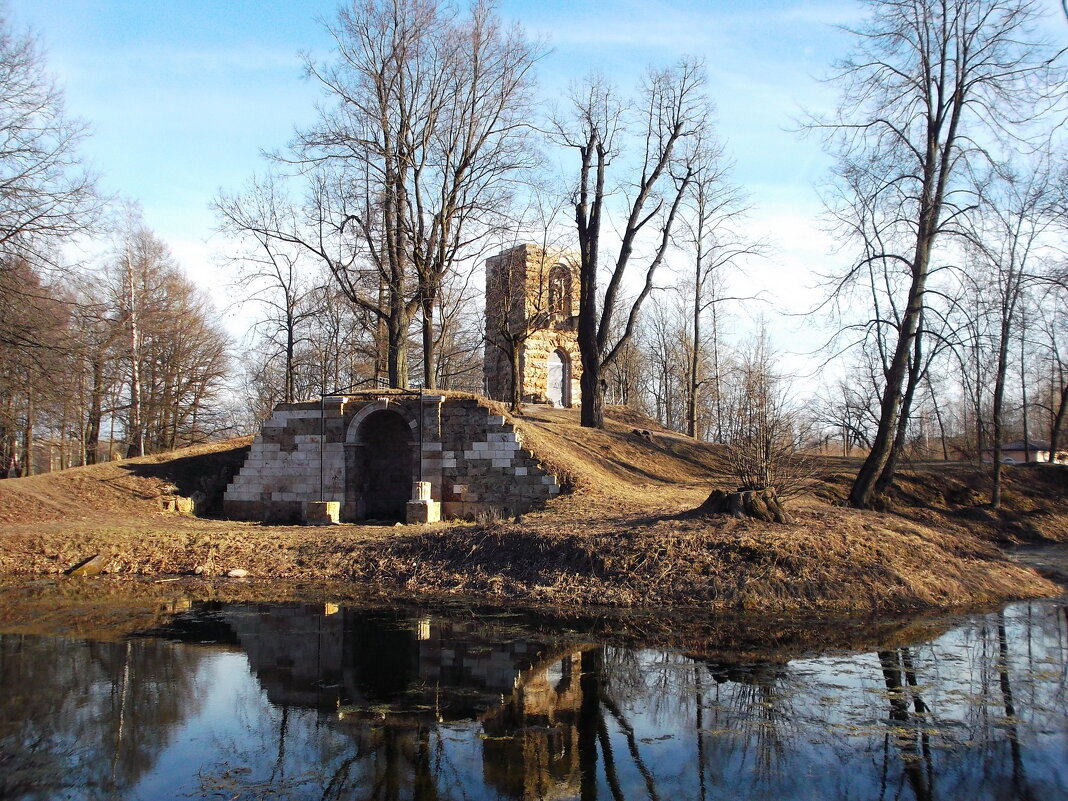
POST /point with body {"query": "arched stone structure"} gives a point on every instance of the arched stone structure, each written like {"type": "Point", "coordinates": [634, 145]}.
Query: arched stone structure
{"type": "Point", "coordinates": [352, 431]}
{"type": "Point", "coordinates": [560, 301]}
{"type": "Point", "coordinates": [531, 304]}
{"type": "Point", "coordinates": [366, 451]}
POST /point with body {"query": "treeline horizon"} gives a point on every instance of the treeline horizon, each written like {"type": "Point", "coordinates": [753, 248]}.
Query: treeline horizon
{"type": "Point", "coordinates": [360, 246]}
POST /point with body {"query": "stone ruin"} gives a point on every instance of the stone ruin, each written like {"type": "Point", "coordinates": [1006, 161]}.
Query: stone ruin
{"type": "Point", "coordinates": [388, 456]}
{"type": "Point", "coordinates": [532, 295]}
{"type": "Point", "coordinates": [414, 457]}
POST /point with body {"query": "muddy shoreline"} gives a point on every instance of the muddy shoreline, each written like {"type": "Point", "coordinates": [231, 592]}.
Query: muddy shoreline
{"type": "Point", "coordinates": [111, 608]}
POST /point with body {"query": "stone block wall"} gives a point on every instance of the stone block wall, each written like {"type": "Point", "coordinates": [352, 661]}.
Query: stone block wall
{"type": "Point", "coordinates": [484, 468]}
{"type": "Point", "coordinates": [473, 460]}
{"type": "Point", "coordinates": [281, 472]}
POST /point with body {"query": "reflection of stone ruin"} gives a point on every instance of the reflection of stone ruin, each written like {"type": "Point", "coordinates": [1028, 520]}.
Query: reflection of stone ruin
{"type": "Point", "coordinates": [462, 459]}
{"type": "Point", "coordinates": [363, 669]}
{"type": "Point", "coordinates": [532, 748]}
{"type": "Point", "coordinates": [532, 295]}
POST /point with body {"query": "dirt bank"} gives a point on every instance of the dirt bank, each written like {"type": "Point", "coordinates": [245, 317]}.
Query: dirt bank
{"type": "Point", "coordinates": [624, 536]}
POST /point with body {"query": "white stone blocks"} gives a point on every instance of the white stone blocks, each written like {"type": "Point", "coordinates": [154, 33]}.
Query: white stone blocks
{"type": "Point", "coordinates": [476, 453]}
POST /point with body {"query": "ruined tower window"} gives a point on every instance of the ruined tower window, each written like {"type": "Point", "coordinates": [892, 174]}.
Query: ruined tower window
{"type": "Point", "coordinates": [560, 291]}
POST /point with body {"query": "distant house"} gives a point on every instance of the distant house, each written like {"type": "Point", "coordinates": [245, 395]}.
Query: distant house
{"type": "Point", "coordinates": [1020, 452]}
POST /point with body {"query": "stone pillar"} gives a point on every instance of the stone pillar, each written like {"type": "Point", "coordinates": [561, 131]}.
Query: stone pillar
{"type": "Point", "coordinates": [322, 513]}
{"type": "Point", "coordinates": [422, 508]}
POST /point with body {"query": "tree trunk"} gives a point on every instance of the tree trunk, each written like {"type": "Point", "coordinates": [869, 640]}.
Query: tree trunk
{"type": "Point", "coordinates": [592, 412]}
{"type": "Point", "coordinates": [27, 460]}
{"type": "Point", "coordinates": [886, 477]}
{"type": "Point", "coordinates": [759, 504]}
{"type": "Point", "coordinates": [695, 357]}
{"type": "Point", "coordinates": [863, 490]}
{"type": "Point", "coordinates": [289, 391]}
{"type": "Point", "coordinates": [429, 346]}
{"type": "Point", "coordinates": [1023, 397]}
{"type": "Point", "coordinates": [1058, 424]}
{"type": "Point", "coordinates": [998, 403]}
{"type": "Point", "coordinates": [397, 332]}
{"type": "Point", "coordinates": [516, 381]}
{"type": "Point", "coordinates": [137, 429]}
{"type": "Point", "coordinates": [592, 408]}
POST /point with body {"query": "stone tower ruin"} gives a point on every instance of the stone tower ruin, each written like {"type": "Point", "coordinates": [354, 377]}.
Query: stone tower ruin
{"type": "Point", "coordinates": [532, 307]}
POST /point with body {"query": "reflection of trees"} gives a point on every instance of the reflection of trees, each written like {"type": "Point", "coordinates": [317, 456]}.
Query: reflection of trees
{"type": "Point", "coordinates": [389, 762]}
{"type": "Point", "coordinates": [377, 706]}
{"type": "Point", "coordinates": [1019, 778]}
{"type": "Point", "coordinates": [627, 692]}
{"type": "Point", "coordinates": [88, 717]}
{"type": "Point", "coordinates": [912, 739]}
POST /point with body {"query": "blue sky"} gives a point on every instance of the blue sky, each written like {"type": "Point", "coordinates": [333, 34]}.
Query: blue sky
{"type": "Point", "coordinates": [182, 96]}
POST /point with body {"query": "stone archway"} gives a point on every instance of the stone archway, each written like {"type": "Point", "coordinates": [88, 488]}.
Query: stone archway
{"type": "Point", "coordinates": [383, 465]}
{"type": "Point", "coordinates": [558, 378]}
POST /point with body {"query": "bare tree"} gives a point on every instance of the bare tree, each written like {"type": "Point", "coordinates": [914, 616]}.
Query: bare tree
{"type": "Point", "coordinates": [1016, 212]}
{"type": "Point", "coordinates": [930, 85]}
{"type": "Point", "coordinates": [412, 163]}
{"type": "Point", "coordinates": [175, 357]}
{"type": "Point", "coordinates": [270, 270]}
{"type": "Point", "coordinates": [458, 336]}
{"type": "Point", "coordinates": [1054, 331]}
{"type": "Point", "coordinates": [98, 330]}
{"type": "Point", "coordinates": [663, 337]}
{"type": "Point", "coordinates": [45, 193]}
{"type": "Point", "coordinates": [663, 122]}
{"type": "Point", "coordinates": [711, 221]}
{"type": "Point", "coordinates": [764, 431]}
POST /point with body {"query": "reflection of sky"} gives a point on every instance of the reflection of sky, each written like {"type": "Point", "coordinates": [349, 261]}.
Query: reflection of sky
{"type": "Point", "coordinates": [815, 728]}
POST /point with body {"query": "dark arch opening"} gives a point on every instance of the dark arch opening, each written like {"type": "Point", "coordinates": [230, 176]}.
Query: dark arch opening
{"type": "Point", "coordinates": [385, 460]}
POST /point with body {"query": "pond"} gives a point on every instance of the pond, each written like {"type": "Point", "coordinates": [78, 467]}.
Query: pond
{"type": "Point", "coordinates": [323, 701]}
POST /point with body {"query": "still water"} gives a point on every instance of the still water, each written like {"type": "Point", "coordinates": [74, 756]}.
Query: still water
{"type": "Point", "coordinates": [297, 701]}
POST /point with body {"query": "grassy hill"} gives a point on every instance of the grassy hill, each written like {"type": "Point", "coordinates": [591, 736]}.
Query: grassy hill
{"type": "Point", "coordinates": [626, 533]}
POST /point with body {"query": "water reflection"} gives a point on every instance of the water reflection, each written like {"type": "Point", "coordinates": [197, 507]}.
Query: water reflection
{"type": "Point", "coordinates": [301, 701]}
{"type": "Point", "coordinates": [88, 720]}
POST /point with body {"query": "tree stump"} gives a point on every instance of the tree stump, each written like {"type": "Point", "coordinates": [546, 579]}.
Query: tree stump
{"type": "Point", "coordinates": [759, 504]}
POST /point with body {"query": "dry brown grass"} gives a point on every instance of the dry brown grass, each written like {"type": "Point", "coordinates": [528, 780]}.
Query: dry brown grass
{"type": "Point", "coordinates": [123, 488]}
{"type": "Point", "coordinates": [625, 536]}
{"type": "Point", "coordinates": [828, 560]}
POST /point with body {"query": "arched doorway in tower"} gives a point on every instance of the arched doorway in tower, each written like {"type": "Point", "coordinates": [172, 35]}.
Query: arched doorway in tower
{"type": "Point", "coordinates": [558, 378]}
{"type": "Point", "coordinates": [384, 466]}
